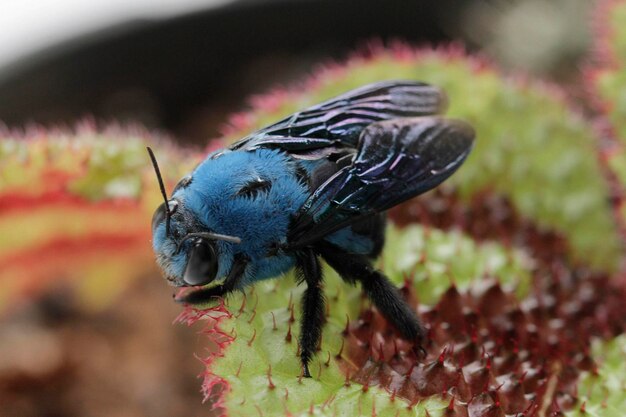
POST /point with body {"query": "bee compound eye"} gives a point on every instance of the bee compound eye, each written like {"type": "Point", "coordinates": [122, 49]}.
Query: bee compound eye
{"type": "Point", "coordinates": [201, 263]}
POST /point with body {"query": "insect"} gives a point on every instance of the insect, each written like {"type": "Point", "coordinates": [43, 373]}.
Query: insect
{"type": "Point", "coordinates": [314, 185]}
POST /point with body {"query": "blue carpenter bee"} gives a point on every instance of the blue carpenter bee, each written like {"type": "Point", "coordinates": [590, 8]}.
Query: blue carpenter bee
{"type": "Point", "coordinates": [313, 185]}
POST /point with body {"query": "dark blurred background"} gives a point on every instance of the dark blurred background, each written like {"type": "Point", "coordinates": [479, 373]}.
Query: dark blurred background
{"type": "Point", "coordinates": [183, 70]}
{"type": "Point", "coordinates": [185, 73]}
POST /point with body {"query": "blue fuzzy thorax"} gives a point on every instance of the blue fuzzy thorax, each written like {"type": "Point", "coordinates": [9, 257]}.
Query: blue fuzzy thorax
{"type": "Point", "coordinates": [261, 220]}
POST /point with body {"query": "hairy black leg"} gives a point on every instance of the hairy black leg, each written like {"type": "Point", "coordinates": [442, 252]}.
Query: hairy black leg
{"type": "Point", "coordinates": [309, 271]}
{"type": "Point", "coordinates": [231, 283]}
{"type": "Point", "coordinates": [380, 291]}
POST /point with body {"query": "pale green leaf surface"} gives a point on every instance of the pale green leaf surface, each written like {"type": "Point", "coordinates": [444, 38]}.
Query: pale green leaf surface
{"type": "Point", "coordinates": [604, 394]}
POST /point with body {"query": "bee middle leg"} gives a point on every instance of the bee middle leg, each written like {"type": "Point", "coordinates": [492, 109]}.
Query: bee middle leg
{"type": "Point", "coordinates": [308, 270]}
{"type": "Point", "coordinates": [357, 268]}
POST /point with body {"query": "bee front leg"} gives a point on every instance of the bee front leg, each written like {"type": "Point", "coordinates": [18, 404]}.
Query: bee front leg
{"type": "Point", "coordinates": [379, 290]}
{"type": "Point", "coordinates": [206, 295]}
{"type": "Point", "coordinates": [309, 270]}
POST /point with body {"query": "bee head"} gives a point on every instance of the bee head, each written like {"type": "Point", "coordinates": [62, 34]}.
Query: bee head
{"type": "Point", "coordinates": [185, 251]}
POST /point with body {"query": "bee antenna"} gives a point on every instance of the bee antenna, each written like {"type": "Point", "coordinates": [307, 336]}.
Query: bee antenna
{"type": "Point", "coordinates": [215, 236]}
{"type": "Point", "coordinates": [168, 214]}
{"type": "Point", "coordinates": [210, 236]}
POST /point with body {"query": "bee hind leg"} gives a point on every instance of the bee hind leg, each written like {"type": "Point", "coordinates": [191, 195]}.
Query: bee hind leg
{"type": "Point", "coordinates": [308, 270]}
{"type": "Point", "coordinates": [357, 268]}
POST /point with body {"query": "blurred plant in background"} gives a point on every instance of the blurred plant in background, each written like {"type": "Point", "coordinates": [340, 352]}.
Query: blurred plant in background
{"type": "Point", "coordinates": [516, 265]}
{"type": "Point", "coordinates": [75, 311]}
{"type": "Point", "coordinates": [72, 208]}
{"type": "Point", "coordinates": [535, 36]}
{"type": "Point", "coordinates": [606, 77]}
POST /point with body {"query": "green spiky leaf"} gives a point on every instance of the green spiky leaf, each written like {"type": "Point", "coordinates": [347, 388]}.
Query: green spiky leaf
{"type": "Point", "coordinates": [603, 392]}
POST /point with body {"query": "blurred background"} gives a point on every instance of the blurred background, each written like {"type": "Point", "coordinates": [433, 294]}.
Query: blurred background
{"type": "Point", "coordinates": [183, 65]}
{"type": "Point", "coordinates": [180, 67]}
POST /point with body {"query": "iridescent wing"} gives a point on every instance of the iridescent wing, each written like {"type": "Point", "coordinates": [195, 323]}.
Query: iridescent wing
{"type": "Point", "coordinates": [395, 160]}
{"type": "Point", "coordinates": [338, 123]}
